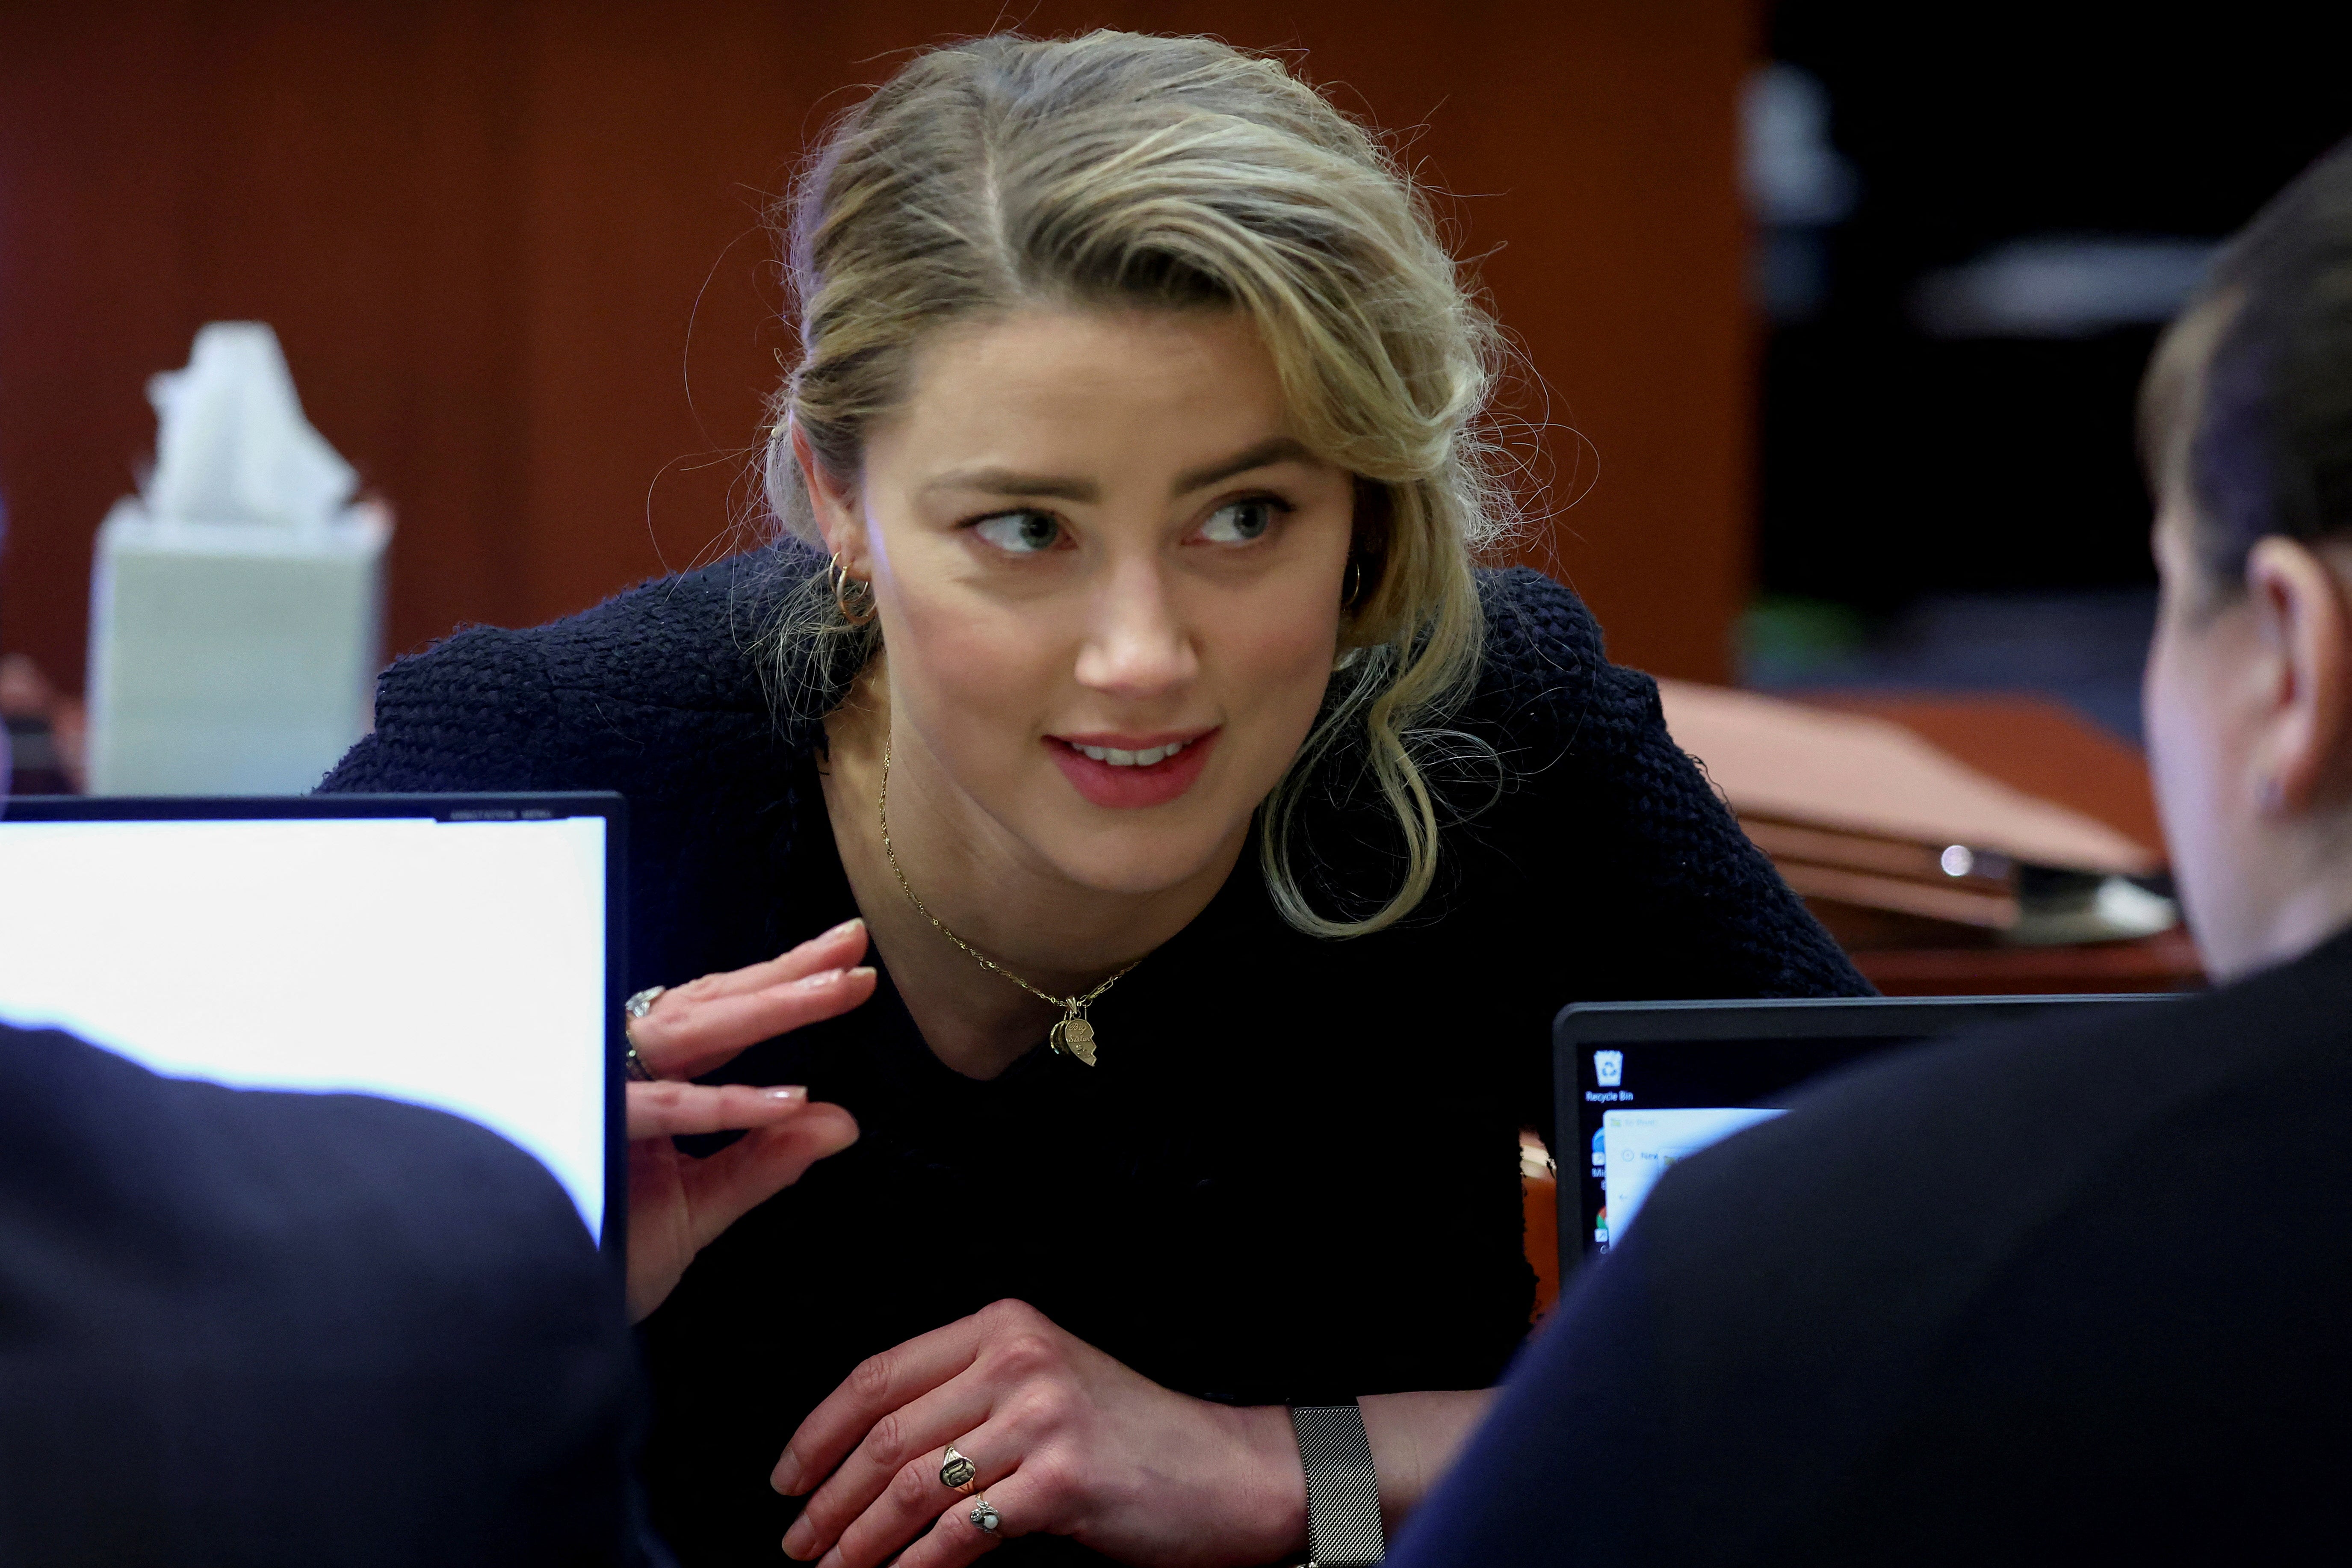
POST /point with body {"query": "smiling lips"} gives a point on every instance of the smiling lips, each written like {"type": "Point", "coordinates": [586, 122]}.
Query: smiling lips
{"type": "Point", "coordinates": [1131, 772]}
{"type": "Point", "coordinates": [1116, 758]}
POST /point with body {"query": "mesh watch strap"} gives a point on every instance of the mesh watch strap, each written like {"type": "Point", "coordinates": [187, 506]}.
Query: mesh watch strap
{"type": "Point", "coordinates": [1343, 1494]}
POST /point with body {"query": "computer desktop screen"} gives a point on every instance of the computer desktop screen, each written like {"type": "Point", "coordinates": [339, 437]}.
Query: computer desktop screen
{"type": "Point", "coordinates": [1644, 1106]}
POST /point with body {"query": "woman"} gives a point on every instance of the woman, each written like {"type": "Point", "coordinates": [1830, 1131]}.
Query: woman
{"type": "Point", "coordinates": [1225, 842]}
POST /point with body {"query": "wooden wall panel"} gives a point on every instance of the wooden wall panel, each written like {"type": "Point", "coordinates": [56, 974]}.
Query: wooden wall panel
{"type": "Point", "coordinates": [513, 251]}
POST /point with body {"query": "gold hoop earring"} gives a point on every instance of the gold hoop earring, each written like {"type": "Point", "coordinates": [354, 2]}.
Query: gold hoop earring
{"type": "Point", "coordinates": [1353, 588]}
{"type": "Point", "coordinates": [863, 612]}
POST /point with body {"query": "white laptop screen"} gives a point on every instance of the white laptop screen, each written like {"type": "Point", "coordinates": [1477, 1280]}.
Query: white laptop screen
{"type": "Point", "coordinates": [457, 964]}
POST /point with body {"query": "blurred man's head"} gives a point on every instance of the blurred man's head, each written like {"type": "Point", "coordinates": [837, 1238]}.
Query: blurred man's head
{"type": "Point", "coordinates": [2247, 427]}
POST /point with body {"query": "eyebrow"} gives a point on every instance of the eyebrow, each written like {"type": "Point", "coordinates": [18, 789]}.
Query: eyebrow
{"type": "Point", "coordinates": [1013, 482]}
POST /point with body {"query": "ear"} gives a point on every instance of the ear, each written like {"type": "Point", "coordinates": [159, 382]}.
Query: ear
{"type": "Point", "coordinates": [835, 502]}
{"type": "Point", "coordinates": [2303, 751]}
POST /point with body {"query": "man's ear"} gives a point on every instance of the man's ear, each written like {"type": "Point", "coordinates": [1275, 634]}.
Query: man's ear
{"type": "Point", "coordinates": [2303, 754]}
{"type": "Point", "coordinates": [833, 501]}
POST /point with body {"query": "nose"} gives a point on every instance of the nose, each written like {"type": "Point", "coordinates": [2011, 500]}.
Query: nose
{"type": "Point", "coordinates": [1137, 645]}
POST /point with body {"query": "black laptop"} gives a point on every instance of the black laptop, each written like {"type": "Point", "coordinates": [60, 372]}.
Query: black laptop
{"type": "Point", "coordinates": [1640, 1085]}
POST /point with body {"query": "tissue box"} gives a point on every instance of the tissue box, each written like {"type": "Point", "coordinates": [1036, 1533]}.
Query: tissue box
{"type": "Point", "coordinates": [231, 659]}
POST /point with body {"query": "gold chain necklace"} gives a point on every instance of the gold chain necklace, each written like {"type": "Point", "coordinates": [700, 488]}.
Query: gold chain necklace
{"type": "Point", "coordinates": [1071, 1033]}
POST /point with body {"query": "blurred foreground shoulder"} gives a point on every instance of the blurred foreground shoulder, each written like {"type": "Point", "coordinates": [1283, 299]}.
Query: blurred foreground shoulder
{"type": "Point", "coordinates": [2021, 1299]}
{"type": "Point", "coordinates": [259, 1328]}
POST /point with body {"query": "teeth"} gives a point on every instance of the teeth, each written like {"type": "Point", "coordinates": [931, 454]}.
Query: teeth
{"type": "Point", "coordinates": [1120, 759]}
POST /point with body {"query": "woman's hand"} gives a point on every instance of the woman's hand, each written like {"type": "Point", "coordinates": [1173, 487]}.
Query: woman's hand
{"type": "Point", "coordinates": [678, 1206]}
{"type": "Point", "coordinates": [1066, 1442]}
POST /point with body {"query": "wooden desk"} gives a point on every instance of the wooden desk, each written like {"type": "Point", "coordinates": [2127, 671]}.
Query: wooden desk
{"type": "Point", "coordinates": [2046, 750]}
{"type": "Point", "coordinates": [2166, 962]}
{"type": "Point", "coordinates": [1540, 1197]}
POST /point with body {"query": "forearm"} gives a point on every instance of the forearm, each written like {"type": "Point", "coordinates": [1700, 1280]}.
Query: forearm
{"type": "Point", "coordinates": [1414, 1438]}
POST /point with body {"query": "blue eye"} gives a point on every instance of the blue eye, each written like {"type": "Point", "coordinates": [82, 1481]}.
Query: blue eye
{"type": "Point", "coordinates": [1020, 532]}
{"type": "Point", "coordinates": [1238, 522]}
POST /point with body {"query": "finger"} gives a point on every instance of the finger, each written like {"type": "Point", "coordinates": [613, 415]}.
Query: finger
{"type": "Point", "coordinates": [888, 1488]}
{"type": "Point", "coordinates": [839, 948]}
{"type": "Point", "coordinates": [910, 1504]}
{"type": "Point", "coordinates": [699, 1032]}
{"type": "Point", "coordinates": [954, 1540]}
{"type": "Point", "coordinates": [882, 1383]}
{"type": "Point", "coordinates": [730, 1183]}
{"type": "Point", "coordinates": [675, 1109]}
{"type": "Point", "coordinates": [727, 1024]}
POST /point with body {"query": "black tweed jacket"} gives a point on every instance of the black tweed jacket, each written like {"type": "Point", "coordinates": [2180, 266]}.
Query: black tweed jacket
{"type": "Point", "coordinates": [1293, 1176]}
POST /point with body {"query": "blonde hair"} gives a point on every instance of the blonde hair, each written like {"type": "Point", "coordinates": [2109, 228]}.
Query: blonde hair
{"type": "Point", "coordinates": [1118, 168]}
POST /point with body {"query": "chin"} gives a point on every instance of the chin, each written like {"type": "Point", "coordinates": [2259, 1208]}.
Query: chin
{"type": "Point", "coordinates": [1139, 862]}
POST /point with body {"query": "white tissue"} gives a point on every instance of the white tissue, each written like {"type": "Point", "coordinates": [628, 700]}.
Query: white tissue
{"type": "Point", "coordinates": [231, 444]}
{"type": "Point", "coordinates": [236, 607]}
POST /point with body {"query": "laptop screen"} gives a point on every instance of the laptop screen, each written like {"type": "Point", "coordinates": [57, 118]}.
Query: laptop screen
{"type": "Point", "coordinates": [452, 951]}
{"type": "Point", "coordinates": [1640, 1086]}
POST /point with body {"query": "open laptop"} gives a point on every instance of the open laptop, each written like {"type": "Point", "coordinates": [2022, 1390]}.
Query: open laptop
{"type": "Point", "coordinates": [1640, 1085]}
{"type": "Point", "coordinates": [462, 952]}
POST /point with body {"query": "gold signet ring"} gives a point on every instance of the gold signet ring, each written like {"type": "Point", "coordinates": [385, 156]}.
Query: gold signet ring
{"type": "Point", "coordinates": [958, 1473]}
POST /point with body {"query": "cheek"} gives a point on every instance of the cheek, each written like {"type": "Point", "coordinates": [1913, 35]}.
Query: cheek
{"type": "Point", "coordinates": [1273, 656]}
{"type": "Point", "coordinates": [2162, 704]}
{"type": "Point", "coordinates": [2183, 764]}
{"type": "Point", "coordinates": [969, 670]}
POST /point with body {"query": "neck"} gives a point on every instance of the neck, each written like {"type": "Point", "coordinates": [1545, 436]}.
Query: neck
{"type": "Point", "coordinates": [993, 890]}
{"type": "Point", "coordinates": [2284, 908]}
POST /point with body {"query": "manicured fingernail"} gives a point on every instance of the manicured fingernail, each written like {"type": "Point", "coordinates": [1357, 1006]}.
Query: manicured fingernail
{"type": "Point", "coordinates": [786, 1091]}
{"type": "Point", "coordinates": [821, 979]}
{"type": "Point", "coordinates": [786, 1476]}
{"type": "Point", "coordinates": [799, 1541]}
{"type": "Point", "coordinates": [844, 928]}
{"type": "Point", "coordinates": [863, 972]}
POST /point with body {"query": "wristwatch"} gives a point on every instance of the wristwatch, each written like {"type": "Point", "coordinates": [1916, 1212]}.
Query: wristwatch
{"type": "Point", "coordinates": [1343, 1493]}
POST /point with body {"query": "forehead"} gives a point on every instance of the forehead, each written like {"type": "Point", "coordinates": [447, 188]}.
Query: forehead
{"type": "Point", "coordinates": [1070, 380]}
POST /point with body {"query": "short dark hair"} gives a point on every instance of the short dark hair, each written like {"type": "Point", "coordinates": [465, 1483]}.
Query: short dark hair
{"type": "Point", "coordinates": [2261, 430]}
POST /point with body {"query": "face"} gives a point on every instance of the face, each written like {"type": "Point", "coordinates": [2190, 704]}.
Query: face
{"type": "Point", "coordinates": [2197, 739]}
{"type": "Point", "coordinates": [1108, 577]}
{"type": "Point", "coordinates": [2249, 701]}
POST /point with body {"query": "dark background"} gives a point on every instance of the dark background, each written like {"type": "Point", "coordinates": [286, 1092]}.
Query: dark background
{"type": "Point", "coordinates": [1896, 466]}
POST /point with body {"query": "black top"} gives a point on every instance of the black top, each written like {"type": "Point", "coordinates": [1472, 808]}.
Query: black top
{"type": "Point", "coordinates": [2078, 1293]}
{"type": "Point", "coordinates": [308, 1329]}
{"type": "Point", "coordinates": [1292, 1177]}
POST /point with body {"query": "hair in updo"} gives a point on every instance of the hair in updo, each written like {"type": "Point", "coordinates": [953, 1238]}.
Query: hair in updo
{"type": "Point", "coordinates": [1121, 169]}
{"type": "Point", "coordinates": [2248, 402]}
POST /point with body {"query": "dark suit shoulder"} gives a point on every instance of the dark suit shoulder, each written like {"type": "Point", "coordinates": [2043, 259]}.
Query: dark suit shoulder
{"type": "Point", "coordinates": [1973, 1264]}
{"type": "Point", "coordinates": [1984, 1130]}
{"type": "Point", "coordinates": [247, 1327]}
{"type": "Point", "coordinates": [2010, 1298]}
{"type": "Point", "coordinates": [337, 1188]}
